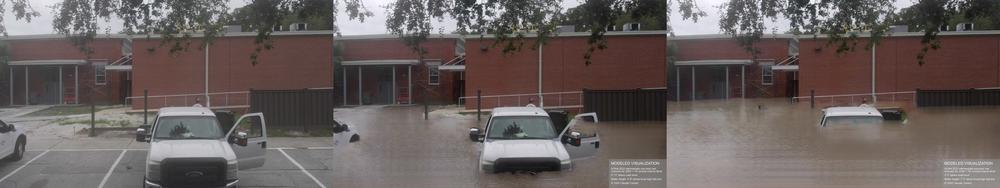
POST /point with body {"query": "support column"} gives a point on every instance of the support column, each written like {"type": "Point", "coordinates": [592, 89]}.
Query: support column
{"type": "Point", "coordinates": [743, 81]}
{"type": "Point", "coordinates": [76, 84]}
{"type": "Point", "coordinates": [727, 82]}
{"type": "Point", "coordinates": [11, 91]}
{"type": "Point", "coordinates": [26, 103]}
{"type": "Point", "coordinates": [344, 88]}
{"type": "Point", "coordinates": [678, 75]}
{"type": "Point", "coordinates": [360, 102]}
{"type": "Point", "coordinates": [62, 97]}
{"type": "Point", "coordinates": [394, 92]}
{"type": "Point", "coordinates": [409, 84]}
{"type": "Point", "coordinates": [692, 84]}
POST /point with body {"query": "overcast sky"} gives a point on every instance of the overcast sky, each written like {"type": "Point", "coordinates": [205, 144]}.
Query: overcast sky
{"type": "Point", "coordinates": [376, 24]}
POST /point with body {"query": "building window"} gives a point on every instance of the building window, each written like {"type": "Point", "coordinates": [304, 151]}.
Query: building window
{"type": "Point", "coordinates": [298, 27]}
{"type": "Point", "coordinates": [767, 74]}
{"type": "Point", "coordinates": [100, 74]}
{"type": "Point", "coordinates": [277, 28]}
{"type": "Point", "coordinates": [433, 75]}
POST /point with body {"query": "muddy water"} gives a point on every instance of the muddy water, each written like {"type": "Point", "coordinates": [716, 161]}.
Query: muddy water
{"type": "Point", "coordinates": [398, 148]}
{"type": "Point", "coordinates": [774, 143]}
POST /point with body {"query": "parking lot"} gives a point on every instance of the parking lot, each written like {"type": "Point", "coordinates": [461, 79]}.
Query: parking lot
{"type": "Point", "coordinates": [399, 148]}
{"type": "Point", "coordinates": [285, 167]}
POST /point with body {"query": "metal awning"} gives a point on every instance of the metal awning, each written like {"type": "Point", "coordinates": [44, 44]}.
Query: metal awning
{"type": "Point", "coordinates": [381, 62]}
{"type": "Point", "coordinates": [785, 67]}
{"type": "Point", "coordinates": [455, 64]}
{"type": "Point", "coordinates": [714, 62]}
{"type": "Point", "coordinates": [48, 62]}
{"type": "Point", "coordinates": [122, 64]}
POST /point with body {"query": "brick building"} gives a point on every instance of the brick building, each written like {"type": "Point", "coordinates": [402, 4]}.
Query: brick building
{"type": "Point", "coordinates": [632, 60]}
{"type": "Point", "coordinates": [966, 59]}
{"type": "Point", "coordinates": [48, 69]}
{"type": "Point", "coordinates": [380, 69]}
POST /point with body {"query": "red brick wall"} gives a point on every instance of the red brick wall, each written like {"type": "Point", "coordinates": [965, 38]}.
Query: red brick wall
{"type": "Point", "coordinates": [442, 49]}
{"type": "Point", "coordinates": [629, 62]}
{"type": "Point", "coordinates": [962, 62]}
{"type": "Point", "coordinates": [104, 50]}
{"type": "Point", "coordinates": [295, 62]}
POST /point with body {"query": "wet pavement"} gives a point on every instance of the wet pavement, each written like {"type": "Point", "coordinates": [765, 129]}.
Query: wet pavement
{"type": "Point", "coordinates": [398, 148]}
{"type": "Point", "coordinates": [774, 143]}
{"type": "Point", "coordinates": [109, 168]}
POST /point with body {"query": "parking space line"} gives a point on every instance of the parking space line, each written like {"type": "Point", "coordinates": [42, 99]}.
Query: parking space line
{"type": "Point", "coordinates": [296, 163]}
{"type": "Point", "coordinates": [107, 149]}
{"type": "Point", "coordinates": [22, 166]}
{"type": "Point", "coordinates": [112, 169]}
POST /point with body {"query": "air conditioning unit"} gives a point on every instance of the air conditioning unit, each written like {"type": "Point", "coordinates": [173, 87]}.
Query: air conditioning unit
{"type": "Point", "coordinates": [298, 27]}
{"type": "Point", "coordinates": [631, 27]}
{"type": "Point", "coordinates": [964, 27]}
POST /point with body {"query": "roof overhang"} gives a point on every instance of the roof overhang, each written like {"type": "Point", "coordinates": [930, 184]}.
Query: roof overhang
{"type": "Point", "coordinates": [785, 67]}
{"type": "Point", "coordinates": [714, 62]}
{"type": "Point", "coordinates": [381, 62]}
{"type": "Point", "coordinates": [48, 62]}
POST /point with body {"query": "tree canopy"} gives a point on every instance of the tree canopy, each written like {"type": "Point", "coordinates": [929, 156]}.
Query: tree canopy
{"type": "Point", "coordinates": [511, 21]}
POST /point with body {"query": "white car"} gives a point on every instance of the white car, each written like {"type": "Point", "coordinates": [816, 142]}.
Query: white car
{"type": "Point", "coordinates": [190, 147]}
{"type": "Point", "coordinates": [851, 115]}
{"type": "Point", "coordinates": [12, 142]}
{"type": "Point", "coordinates": [527, 139]}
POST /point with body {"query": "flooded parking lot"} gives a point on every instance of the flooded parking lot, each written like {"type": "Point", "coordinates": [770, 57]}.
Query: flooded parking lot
{"type": "Point", "coordinates": [398, 148]}
{"type": "Point", "coordinates": [774, 143]}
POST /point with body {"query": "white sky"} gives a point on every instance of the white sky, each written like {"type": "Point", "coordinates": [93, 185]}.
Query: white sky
{"type": "Point", "coordinates": [376, 24]}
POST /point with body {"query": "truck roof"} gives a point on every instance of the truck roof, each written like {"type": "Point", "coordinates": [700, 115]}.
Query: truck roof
{"type": "Point", "coordinates": [186, 111]}
{"type": "Point", "coordinates": [852, 111]}
{"type": "Point", "coordinates": [519, 111]}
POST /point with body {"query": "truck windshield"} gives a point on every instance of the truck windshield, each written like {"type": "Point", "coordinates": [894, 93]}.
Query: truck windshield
{"type": "Point", "coordinates": [521, 127]}
{"type": "Point", "coordinates": [852, 120]}
{"type": "Point", "coordinates": [187, 127]}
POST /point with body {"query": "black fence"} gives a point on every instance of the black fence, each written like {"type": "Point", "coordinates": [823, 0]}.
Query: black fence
{"type": "Point", "coordinates": [627, 105]}
{"type": "Point", "coordinates": [294, 109]}
{"type": "Point", "coordinates": [967, 97]}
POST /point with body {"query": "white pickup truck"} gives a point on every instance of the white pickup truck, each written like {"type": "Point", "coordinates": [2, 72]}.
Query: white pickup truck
{"type": "Point", "coordinates": [530, 139]}
{"type": "Point", "coordinates": [12, 142]}
{"type": "Point", "coordinates": [191, 147]}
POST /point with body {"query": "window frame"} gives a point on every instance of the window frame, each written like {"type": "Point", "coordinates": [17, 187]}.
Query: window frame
{"type": "Point", "coordinates": [100, 73]}
{"type": "Point", "coordinates": [767, 73]}
{"type": "Point", "coordinates": [433, 73]}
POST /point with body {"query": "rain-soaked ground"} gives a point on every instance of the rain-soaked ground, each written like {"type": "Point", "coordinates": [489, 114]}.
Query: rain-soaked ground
{"type": "Point", "coordinates": [774, 143]}
{"type": "Point", "coordinates": [398, 148]}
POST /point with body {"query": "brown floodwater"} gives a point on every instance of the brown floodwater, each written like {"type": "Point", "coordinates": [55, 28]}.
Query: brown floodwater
{"type": "Point", "coordinates": [398, 148]}
{"type": "Point", "coordinates": [775, 143]}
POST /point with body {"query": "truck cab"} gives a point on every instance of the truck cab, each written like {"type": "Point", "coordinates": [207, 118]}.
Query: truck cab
{"type": "Point", "coordinates": [192, 147]}
{"type": "Point", "coordinates": [527, 139]}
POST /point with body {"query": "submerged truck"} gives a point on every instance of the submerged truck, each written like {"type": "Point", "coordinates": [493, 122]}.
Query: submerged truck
{"type": "Point", "coordinates": [195, 147]}
{"type": "Point", "coordinates": [531, 139]}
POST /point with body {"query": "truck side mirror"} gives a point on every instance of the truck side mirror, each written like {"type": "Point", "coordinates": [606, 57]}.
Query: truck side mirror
{"type": "Point", "coordinates": [573, 139]}
{"type": "Point", "coordinates": [142, 134]}
{"type": "Point", "coordinates": [241, 138]}
{"type": "Point", "coordinates": [475, 135]}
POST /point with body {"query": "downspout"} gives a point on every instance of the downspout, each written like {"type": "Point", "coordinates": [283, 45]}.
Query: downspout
{"type": "Point", "coordinates": [208, 101]}
{"type": "Point", "coordinates": [874, 99]}
{"type": "Point", "coordinates": [541, 100]}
